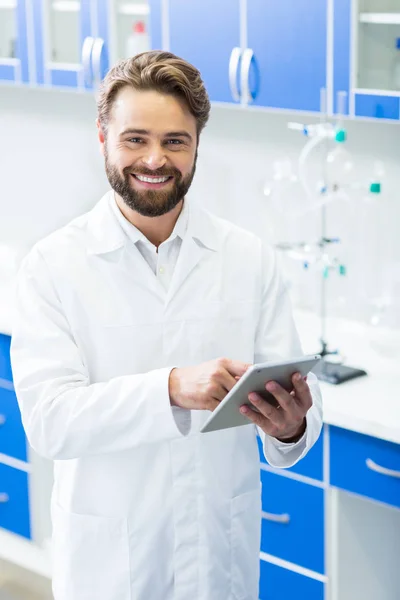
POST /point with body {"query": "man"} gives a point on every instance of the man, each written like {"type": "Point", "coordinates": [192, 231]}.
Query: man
{"type": "Point", "coordinates": [133, 322]}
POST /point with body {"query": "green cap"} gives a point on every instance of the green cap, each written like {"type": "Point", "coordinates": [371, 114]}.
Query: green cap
{"type": "Point", "coordinates": [375, 188]}
{"type": "Point", "coordinates": [341, 135]}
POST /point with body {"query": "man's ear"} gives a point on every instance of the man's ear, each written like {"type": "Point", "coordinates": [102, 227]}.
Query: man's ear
{"type": "Point", "coordinates": [101, 135]}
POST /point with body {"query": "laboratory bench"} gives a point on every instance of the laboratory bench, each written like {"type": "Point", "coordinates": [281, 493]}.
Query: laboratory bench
{"type": "Point", "coordinates": [330, 524]}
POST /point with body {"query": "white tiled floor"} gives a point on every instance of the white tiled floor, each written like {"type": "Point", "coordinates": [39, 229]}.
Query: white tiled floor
{"type": "Point", "coordinates": [17, 584]}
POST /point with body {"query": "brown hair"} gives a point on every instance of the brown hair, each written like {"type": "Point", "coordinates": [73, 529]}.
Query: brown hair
{"type": "Point", "coordinates": [160, 71]}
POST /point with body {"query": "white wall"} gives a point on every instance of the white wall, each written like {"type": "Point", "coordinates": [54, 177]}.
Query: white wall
{"type": "Point", "coordinates": [51, 170]}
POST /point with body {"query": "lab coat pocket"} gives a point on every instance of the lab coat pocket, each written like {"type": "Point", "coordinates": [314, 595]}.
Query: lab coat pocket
{"type": "Point", "coordinates": [90, 557]}
{"type": "Point", "coordinates": [245, 545]}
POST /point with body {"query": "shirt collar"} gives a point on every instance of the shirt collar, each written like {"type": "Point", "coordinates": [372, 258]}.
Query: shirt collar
{"type": "Point", "coordinates": [106, 226]}
{"type": "Point", "coordinates": [135, 235]}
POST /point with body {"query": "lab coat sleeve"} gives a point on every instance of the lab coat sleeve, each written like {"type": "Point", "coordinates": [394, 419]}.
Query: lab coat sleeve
{"type": "Point", "coordinates": [277, 339]}
{"type": "Point", "coordinates": [65, 416]}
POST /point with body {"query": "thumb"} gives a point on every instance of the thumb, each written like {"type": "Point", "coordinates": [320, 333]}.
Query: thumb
{"type": "Point", "coordinates": [236, 368]}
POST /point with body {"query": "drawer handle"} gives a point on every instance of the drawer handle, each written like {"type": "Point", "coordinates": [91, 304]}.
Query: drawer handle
{"type": "Point", "coordinates": [2, 420]}
{"type": "Point", "coordinates": [284, 519]}
{"type": "Point", "coordinates": [4, 498]}
{"type": "Point", "coordinates": [382, 470]}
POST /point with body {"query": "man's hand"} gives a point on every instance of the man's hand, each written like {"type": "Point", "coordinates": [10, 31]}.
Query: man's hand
{"type": "Point", "coordinates": [286, 422]}
{"type": "Point", "coordinates": [202, 387]}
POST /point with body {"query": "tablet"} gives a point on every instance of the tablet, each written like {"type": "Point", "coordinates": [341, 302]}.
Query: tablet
{"type": "Point", "coordinates": [227, 414]}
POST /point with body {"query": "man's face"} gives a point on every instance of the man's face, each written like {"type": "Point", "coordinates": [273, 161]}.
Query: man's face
{"type": "Point", "coordinates": [150, 150]}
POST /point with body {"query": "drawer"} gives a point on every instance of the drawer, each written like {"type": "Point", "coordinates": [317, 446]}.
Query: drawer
{"type": "Point", "coordinates": [14, 501]}
{"type": "Point", "coordinates": [277, 583]}
{"type": "Point", "coordinates": [5, 364]}
{"type": "Point", "coordinates": [12, 434]}
{"type": "Point", "coordinates": [311, 465]}
{"type": "Point", "coordinates": [293, 521]}
{"type": "Point", "coordinates": [365, 465]}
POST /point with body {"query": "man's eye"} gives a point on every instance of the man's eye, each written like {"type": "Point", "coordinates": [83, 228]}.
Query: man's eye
{"type": "Point", "coordinates": [175, 142]}
{"type": "Point", "coordinates": [135, 140]}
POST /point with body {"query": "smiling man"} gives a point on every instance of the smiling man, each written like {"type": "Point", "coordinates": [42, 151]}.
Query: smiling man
{"type": "Point", "coordinates": [132, 323]}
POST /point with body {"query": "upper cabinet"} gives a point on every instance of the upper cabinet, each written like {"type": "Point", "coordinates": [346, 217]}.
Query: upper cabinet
{"type": "Point", "coordinates": [287, 41]}
{"type": "Point", "coordinates": [275, 54]}
{"type": "Point", "coordinates": [69, 43]}
{"type": "Point", "coordinates": [366, 56]}
{"type": "Point", "coordinates": [207, 34]}
{"type": "Point", "coordinates": [14, 41]}
{"type": "Point", "coordinates": [254, 51]}
{"type": "Point", "coordinates": [63, 42]}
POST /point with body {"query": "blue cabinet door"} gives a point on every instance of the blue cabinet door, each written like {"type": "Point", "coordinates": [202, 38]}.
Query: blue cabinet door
{"type": "Point", "coordinates": [365, 465]}
{"type": "Point", "coordinates": [14, 63]}
{"type": "Point", "coordinates": [5, 361]}
{"type": "Point", "coordinates": [289, 41]}
{"type": "Point", "coordinates": [311, 465]}
{"type": "Point", "coordinates": [54, 45]}
{"type": "Point", "coordinates": [277, 583]}
{"type": "Point", "coordinates": [205, 32]}
{"type": "Point", "coordinates": [14, 501]}
{"type": "Point", "coordinates": [293, 512]}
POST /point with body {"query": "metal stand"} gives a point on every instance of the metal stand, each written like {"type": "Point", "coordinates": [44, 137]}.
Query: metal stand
{"type": "Point", "coordinates": [328, 371]}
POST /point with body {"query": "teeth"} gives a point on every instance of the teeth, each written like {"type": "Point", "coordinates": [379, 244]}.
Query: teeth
{"type": "Point", "coordinates": [152, 179]}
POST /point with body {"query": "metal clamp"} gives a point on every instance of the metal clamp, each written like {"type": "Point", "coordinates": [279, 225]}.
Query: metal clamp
{"type": "Point", "coordinates": [381, 470]}
{"type": "Point", "coordinates": [247, 59]}
{"type": "Point", "coordinates": [233, 67]}
{"type": "Point", "coordinates": [284, 518]}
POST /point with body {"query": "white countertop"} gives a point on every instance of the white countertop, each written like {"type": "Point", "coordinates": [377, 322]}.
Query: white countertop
{"type": "Point", "coordinates": [369, 405]}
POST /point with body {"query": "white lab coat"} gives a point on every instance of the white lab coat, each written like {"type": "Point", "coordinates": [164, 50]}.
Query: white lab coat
{"type": "Point", "coordinates": [144, 507]}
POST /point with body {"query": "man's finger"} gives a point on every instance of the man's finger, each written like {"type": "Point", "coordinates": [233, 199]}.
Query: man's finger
{"type": "Point", "coordinates": [273, 414]}
{"type": "Point", "coordinates": [302, 390]}
{"type": "Point", "coordinates": [236, 368]}
{"type": "Point", "coordinates": [285, 399]}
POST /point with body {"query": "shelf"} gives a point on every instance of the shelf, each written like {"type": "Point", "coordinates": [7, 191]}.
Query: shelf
{"type": "Point", "coordinates": [137, 10]}
{"type": "Point", "coordinates": [384, 18]}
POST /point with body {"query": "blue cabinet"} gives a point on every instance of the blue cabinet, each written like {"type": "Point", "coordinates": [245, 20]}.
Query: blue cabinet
{"type": "Point", "coordinates": [14, 502]}
{"type": "Point", "coordinates": [293, 511]}
{"type": "Point", "coordinates": [277, 583]}
{"type": "Point", "coordinates": [63, 43]}
{"type": "Point", "coordinates": [206, 33]}
{"type": "Point", "coordinates": [365, 465]}
{"type": "Point", "coordinates": [12, 435]}
{"type": "Point", "coordinates": [310, 466]}
{"type": "Point", "coordinates": [14, 63]}
{"type": "Point", "coordinates": [289, 41]}
{"type": "Point", "coordinates": [5, 362]}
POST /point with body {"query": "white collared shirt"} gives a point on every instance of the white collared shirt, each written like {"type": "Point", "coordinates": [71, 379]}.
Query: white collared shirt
{"type": "Point", "coordinates": [162, 261]}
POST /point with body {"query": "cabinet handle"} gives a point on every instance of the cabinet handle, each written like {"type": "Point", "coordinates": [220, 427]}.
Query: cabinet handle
{"type": "Point", "coordinates": [3, 498]}
{"type": "Point", "coordinates": [2, 420]}
{"type": "Point", "coordinates": [98, 47]}
{"type": "Point", "coordinates": [233, 67]}
{"type": "Point", "coordinates": [285, 518]}
{"type": "Point", "coordinates": [382, 470]}
{"type": "Point", "coordinates": [85, 58]}
{"type": "Point", "coordinates": [247, 59]}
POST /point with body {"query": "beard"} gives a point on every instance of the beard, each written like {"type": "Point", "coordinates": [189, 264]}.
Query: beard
{"type": "Point", "coordinates": [149, 203]}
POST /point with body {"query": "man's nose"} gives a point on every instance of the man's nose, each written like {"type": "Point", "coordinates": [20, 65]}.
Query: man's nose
{"type": "Point", "coordinates": [154, 158]}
